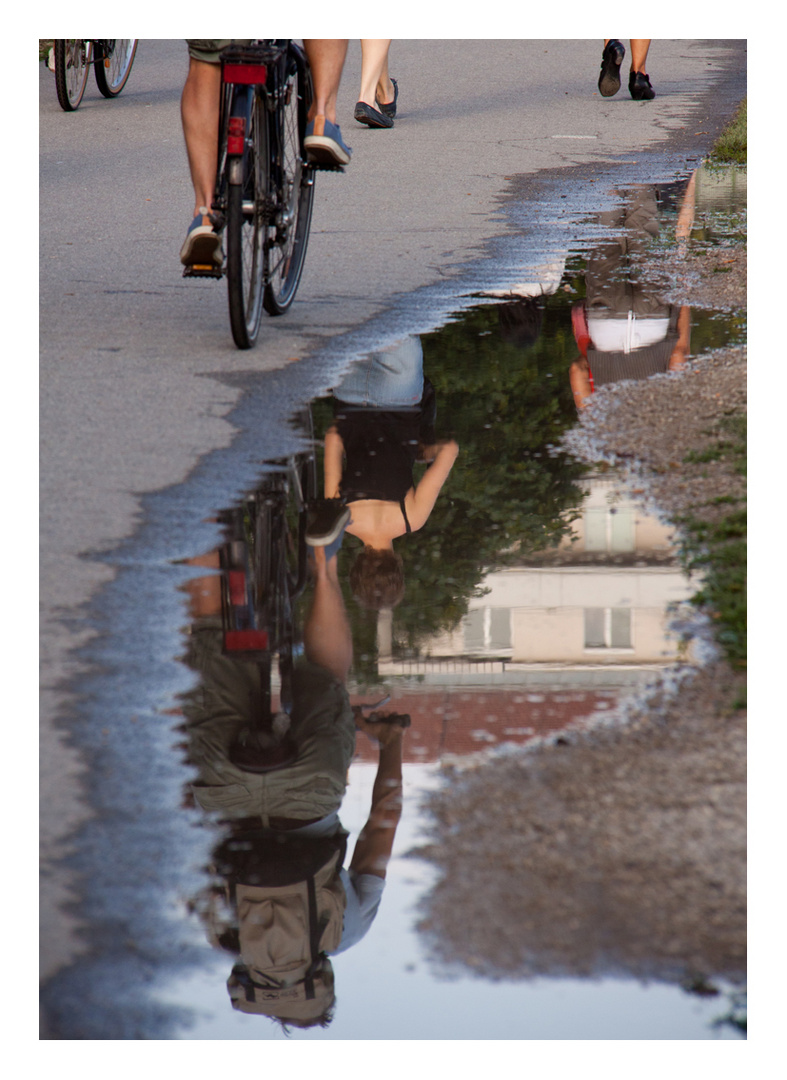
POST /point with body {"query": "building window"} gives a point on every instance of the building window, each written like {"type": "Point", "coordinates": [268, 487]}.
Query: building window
{"type": "Point", "coordinates": [488, 630]}
{"type": "Point", "coordinates": [609, 528]}
{"type": "Point", "coordinates": [608, 628]}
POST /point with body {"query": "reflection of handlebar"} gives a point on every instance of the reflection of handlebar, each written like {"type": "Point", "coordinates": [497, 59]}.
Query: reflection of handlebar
{"type": "Point", "coordinates": [373, 717]}
{"type": "Point", "coordinates": [402, 719]}
{"type": "Point", "coordinates": [376, 705]}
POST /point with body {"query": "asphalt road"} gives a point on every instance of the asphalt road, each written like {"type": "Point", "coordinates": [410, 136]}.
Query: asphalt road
{"type": "Point", "coordinates": [135, 360]}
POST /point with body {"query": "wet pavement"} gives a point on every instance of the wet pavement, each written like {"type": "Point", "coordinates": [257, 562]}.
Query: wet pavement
{"type": "Point", "coordinates": [521, 591]}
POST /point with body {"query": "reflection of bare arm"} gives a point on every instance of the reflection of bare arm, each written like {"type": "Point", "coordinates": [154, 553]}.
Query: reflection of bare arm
{"type": "Point", "coordinates": [683, 344]}
{"type": "Point", "coordinates": [334, 460]}
{"type": "Point", "coordinates": [442, 455]}
{"type": "Point", "coordinates": [686, 213]}
{"type": "Point", "coordinates": [375, 844]}
{"type": "Point", "coordinates": [579, 378]}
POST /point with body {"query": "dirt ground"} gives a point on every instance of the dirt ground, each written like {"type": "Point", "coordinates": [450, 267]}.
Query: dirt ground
{"type": "Point", "coordinates": [620, 847]}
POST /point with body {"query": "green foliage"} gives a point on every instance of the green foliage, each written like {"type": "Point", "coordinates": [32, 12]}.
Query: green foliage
{"type": "Point", "coordinates": [732, 146]}
{"type": "Point", "coordinates": [718, 549]}
{"type": "Point", "coordinates": [506, 402]}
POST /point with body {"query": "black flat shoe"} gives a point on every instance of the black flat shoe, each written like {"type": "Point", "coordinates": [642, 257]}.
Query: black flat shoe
{"type": "Point", "coordinates": [611, 59]}
{"type": "Point", "coordinates": [365, 114]}
{"type": "Point", "coordinates": [639, 86]}
{"type": "Point", "coordinates": [389, 108]}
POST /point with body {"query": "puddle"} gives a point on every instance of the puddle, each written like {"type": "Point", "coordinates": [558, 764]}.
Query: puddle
{"type": "Point", "coordinates": [495, 590]}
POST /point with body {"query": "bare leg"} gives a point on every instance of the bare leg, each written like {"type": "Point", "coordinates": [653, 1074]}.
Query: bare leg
{"type": "Point", "coordinates": [639, 54]}
{"type": "Point", "coordinates": [326, 59]}
{"type": "Point", "coordinates": [375, 82]}
{"type": "Point", "coordinates": [199, 111]}
{"type": "Point", "coordinates": [326, 635]}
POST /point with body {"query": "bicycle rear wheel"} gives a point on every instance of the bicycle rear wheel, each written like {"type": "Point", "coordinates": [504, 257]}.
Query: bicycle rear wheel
{"type": "Point", "coordinates": [245, 233]}
{"type": "Point", "coordinates": [72, 64]}
{"type": "Point", "coordinates": [291, 189]}
{"type": "Point", "coordinates": [114, 67]}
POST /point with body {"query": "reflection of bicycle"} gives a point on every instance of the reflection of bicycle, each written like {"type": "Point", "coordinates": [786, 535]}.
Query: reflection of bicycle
{"type": "Point", "coordinates": [111, 59]}
{"type": "Point", "coordinates": [264, 185]}
{"type": "Point", "coordinates": [264, 571]}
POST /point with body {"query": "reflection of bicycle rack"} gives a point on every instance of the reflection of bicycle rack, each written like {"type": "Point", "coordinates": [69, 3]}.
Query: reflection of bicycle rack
{"type": "Point", "coordinates": [264, 570]}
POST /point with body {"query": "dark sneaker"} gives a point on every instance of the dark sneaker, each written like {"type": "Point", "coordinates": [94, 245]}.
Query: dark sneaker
{"type": "Point", "coordinates": [639, 86]}
{"type": "Point", "coordinates": [327, 521]}
{"type": "Point", "coordinates": [202, 246]}
{"type": "Point", "coordinates": [323, 143]}
{"type": "Point", "coordinates": [611, 59]}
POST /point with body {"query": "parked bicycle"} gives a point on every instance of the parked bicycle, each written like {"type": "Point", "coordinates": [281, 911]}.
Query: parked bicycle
{"type": "Point", "coordinates": [111, 59]}
{"type": "Point", "coordinates": [264, 185]}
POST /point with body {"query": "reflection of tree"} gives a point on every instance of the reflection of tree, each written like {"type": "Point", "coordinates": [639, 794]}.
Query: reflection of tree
{"type": "Point", "coordinates": [505, 405]}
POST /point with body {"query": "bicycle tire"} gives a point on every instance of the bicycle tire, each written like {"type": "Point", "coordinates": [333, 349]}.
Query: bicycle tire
{"type": "Point", "coordinates": [245, 233]}
{"type": "Point", "coordinates": [291, 188]}
{"type": "Point", "coordinates": [72, 65]}
{"type": "Point", "coordinates": [112, 71]}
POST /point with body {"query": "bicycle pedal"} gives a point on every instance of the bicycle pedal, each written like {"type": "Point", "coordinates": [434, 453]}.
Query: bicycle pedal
{"type": "Point", "coordinates": [319, 166]}
{"type": "Point", "coordinates": [204, 270]}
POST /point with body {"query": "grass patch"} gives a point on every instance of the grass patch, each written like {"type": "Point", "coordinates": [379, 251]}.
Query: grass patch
{"type": "Point", "coordinates": [731, 147]}
{"type": "Point", "coordinates": [718, 549]}
{"type": "Point", "coordinates": [44, 45]}
{"type": "Point", "coordinates": [730, 444]}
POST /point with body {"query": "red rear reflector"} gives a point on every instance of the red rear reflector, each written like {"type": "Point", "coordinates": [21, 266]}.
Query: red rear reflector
{"type": "Point", "coordinates": [237, 583]}
{"type": "Point", "coordinates": [248, 74]}
{"type": "Point", "coordinates": [245, 640]}
{"type": "Point", "coordinates": [236, 129]}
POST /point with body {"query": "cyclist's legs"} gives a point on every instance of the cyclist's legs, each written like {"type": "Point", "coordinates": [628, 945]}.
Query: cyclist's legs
{"type": "Point", "coordinates": [326, 60]}
{"type": "Point", "coordinates": [199, 110]}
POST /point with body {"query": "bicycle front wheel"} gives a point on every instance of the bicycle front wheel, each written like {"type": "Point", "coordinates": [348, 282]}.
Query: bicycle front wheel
{"type": "Point", "coordinates": [292, 189]}
{"type": "Point", "coordinates": [114, 68]}
{"type": "Point", "coordinates": [245, 234]}
{"type": "Point", "coordinates": [72, 64]}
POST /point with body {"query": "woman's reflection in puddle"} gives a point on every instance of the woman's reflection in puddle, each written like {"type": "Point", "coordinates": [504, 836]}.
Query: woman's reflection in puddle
{"type": "Point", "coordinates": [384, 414]}
{"type": "Point", "coordinates": [285, 902]}
{"type": "Point", "coordinates": [623, 329]}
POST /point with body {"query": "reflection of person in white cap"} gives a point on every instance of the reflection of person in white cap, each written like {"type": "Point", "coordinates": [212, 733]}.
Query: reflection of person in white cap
{"type": "Point", "coordinates": [623, 329]}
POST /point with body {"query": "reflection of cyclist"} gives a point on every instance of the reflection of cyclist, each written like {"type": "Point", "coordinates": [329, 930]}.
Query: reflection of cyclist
{"type": "Point", "coordinates": [200, 117]}
{"type": "Point", "coordinates": [382, 428]}
{"type": "Point", "coordinates": [297, 805]}
{"type": "Point", "coordinates": [623, 329]}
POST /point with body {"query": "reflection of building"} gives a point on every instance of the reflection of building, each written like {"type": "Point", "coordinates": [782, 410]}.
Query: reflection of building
{"type": "Point", "coordinates": [552, 639]}
{"type": "Point", "coordinates": [600, 597]}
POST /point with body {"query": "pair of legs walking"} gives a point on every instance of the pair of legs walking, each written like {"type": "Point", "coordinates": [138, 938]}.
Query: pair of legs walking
{"type": "Point", "coordinates": [612, 58]}
{"type": "Point", "coordinates": [376, 106]}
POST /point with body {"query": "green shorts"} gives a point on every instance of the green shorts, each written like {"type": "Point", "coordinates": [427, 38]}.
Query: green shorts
{"type": "Point", "coordinates": [322, 725]}
{"type": "Point", "coordinates": [208, 50]}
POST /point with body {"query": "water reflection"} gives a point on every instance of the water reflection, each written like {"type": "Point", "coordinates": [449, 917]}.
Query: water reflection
{"type": "Point", "coordinates": [384, 423]}
{"type": "Point", "coordinates": [274, 773]}
{"type": "Point", "coordinates": [537, 594]}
